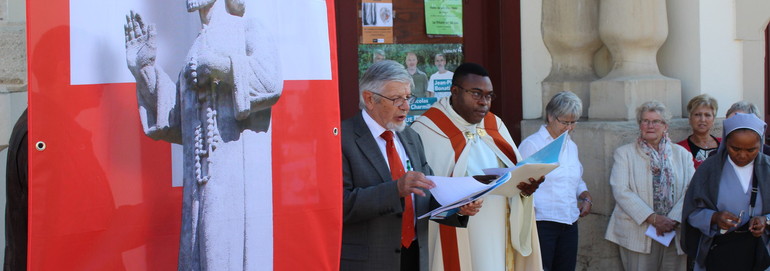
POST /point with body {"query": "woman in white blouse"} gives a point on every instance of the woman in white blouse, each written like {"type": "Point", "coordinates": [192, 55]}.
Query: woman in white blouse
{"type": "Point", "coordinates": [563, 197]}
{"type": "Point", "coordinates": [648, 180]}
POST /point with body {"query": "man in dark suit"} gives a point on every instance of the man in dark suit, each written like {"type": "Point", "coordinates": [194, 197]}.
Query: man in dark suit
{"type": "Point", "coordinates": [384, 182]}
{"type": "Point", "coordinates": [16, 188]}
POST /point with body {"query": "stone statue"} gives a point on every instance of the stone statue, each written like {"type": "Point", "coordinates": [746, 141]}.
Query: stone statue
{"type": "Point", "coordinates": [219, 110]}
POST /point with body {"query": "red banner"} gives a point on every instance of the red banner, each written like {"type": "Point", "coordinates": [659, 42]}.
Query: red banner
{"type": "Point", "coordinates": [101, 194]}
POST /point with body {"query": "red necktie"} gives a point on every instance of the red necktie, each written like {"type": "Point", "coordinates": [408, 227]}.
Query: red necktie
{"type": "Point", "coordinates": [396, 171]}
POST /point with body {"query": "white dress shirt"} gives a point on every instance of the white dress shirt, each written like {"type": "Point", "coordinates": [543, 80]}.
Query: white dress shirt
{"type": "Point", "coordinates": [377, 130]}
{"type": "Point", "coordinates": [556, 199]}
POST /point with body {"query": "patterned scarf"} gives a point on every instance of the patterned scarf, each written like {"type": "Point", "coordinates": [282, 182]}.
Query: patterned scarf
{"type": "Point", "coordinates": [662, 175]}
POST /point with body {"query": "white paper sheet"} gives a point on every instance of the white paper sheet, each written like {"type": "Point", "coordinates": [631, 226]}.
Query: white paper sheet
{"type": "Point", "coordinates": [665, 239]}
{"type": "Point", "coordinates": [451, 189]}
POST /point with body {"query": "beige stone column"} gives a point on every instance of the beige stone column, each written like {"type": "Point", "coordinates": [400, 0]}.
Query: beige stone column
{"type": "Point", "coordinates": [13, 69]}
{"type": "Point", "coordinates": [13, 78]}
{"type": "Point", "coordinates": [571, 34]}
{"type": "Point", "coordinates": [633, 30]}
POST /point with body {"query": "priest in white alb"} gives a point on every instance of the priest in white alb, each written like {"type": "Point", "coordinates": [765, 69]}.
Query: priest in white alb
{"type": "Point", "coordinates": [461, 138]}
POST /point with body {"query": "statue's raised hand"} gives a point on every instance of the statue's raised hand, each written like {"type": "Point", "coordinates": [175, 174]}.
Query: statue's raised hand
{"type": "Point", "coordinates": [141, 47]}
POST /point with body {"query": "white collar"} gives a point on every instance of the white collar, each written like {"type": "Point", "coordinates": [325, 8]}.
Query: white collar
{"type": "Point", "coordinates": [375, 128]}
{"type": "Point", "coordinates": [744, 173]}
{"type": "Point", "coordinates": [446, 106]}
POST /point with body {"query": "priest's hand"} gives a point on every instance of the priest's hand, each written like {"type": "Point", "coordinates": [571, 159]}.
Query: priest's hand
{"type": "Point", "coordinates": [471, 208]}
{"type": "Point", "coordinates": [413, 182]}
{"type": "Point", "coordinates": [527, 189]}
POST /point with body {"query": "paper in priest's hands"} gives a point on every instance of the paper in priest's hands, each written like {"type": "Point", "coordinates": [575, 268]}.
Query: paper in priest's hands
{"type": "Point", "coordinates": [536, 165]}
{"type": "Point", "coordinates": [454, 192]}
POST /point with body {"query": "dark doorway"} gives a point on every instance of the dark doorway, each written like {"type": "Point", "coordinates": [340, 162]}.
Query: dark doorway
{"type": "Point", "coordinates": [492, 38]}
{"type": "Point", "coordinates": [767, 78]}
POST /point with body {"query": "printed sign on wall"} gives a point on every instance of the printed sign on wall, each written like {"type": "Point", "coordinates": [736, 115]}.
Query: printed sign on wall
{"type": "Point", "coordinates": [444, 17]}
{"type": "Point", "coordinates": [377, 21]}
{"type": "Point", "coordinates": [430, 65]}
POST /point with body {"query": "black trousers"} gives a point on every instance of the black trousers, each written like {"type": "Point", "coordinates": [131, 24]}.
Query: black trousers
{"type": "Point", "coordinates": [558, 245]}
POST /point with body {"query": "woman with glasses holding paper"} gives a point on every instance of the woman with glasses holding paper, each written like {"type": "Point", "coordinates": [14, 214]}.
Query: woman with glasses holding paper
{"type": "Point", "coordinates": [649, 180]}
{"type": "Point", "coordinates": [564, 197]}
{"type": "Point", "coordinates": [726, 207]}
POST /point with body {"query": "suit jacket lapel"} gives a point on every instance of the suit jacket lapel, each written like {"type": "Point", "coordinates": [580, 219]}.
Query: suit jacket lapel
{"type": "Point", "coordinates": [367, 145]}
{"type": "Point", "coordinates": [410, 149]}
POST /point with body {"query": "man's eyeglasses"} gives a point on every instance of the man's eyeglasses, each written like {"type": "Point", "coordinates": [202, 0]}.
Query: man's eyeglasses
{"type": "Point", "coordinates": [477, 95]}
{"type": "Point", "coordinates": [656, 123]}
{"type": "Point", "coordinates": [399, 101]}
{"type": "Point", "coordinates": [566, 123]}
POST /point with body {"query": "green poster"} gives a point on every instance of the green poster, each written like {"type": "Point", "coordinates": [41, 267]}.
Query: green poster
{"type": "Point", "coordinates": [444, 17]}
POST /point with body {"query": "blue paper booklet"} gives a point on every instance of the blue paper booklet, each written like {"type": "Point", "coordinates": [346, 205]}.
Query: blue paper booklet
{"type": "Point", "coordinates": [453, 192]}
{"type": "Point", "coordinates": [538, 164]}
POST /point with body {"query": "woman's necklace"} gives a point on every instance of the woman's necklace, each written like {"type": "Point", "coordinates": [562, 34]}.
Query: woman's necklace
{"type": "Point", "coordinates": [707, 143]}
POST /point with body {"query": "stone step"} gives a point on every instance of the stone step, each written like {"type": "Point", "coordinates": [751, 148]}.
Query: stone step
{"type": "Point", "coordinates": [10, 88]}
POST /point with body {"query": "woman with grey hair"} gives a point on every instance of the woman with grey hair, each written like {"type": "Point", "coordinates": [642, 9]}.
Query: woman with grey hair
{"type": "Point", "coordinates": [648, 180]}
{"type": "Point", "coordinates": [726, 206]}
{"type": "Point", "coordinates": [742, 107]}
{"type": "Point", "coordinates": [703, 111]}
{"type": "Point", "coordinates": [564, 198]}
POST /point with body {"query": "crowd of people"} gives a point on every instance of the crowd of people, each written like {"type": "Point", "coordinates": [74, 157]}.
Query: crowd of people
{"type": "Point", "coordinates": [704, 192]}
{"type": "Point", "coordinates": [707, 193]}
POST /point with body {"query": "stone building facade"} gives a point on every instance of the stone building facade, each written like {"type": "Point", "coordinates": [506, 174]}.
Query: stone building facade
{"type": "Point", "coordinates": [618, 54]}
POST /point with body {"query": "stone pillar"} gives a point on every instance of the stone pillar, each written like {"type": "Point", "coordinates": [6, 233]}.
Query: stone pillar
{"type": "Point", "coordinates": [13, 78]}
{"type": "Point", "coordinates": [570, 32]}
{"type": "Point", "coordinates": [633, 30]}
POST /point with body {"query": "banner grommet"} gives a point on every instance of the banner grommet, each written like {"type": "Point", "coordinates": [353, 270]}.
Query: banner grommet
{"type": "Point", "coordinates": [40, 146]}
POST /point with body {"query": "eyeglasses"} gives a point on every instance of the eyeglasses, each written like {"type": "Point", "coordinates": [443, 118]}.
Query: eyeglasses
{"type": "Point", "coordinates": [655, 123]}
{"type": "Point", "coordinates": [477, 95]}
{"type": "Point", "coordinates": [399, 101]}
{"type": "Point", "coordinates": [566, 123]}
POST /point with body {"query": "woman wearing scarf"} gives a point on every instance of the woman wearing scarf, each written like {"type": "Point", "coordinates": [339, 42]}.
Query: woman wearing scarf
{"type": "Point", "coordinates": [648, 180]}
{"type": "Point", "coordinates": [727, 205]}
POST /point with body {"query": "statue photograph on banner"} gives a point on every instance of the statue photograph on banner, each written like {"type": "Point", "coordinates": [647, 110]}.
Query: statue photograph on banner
{"type": "Point", "coordinates": [431, 67]}
{"type": "Point", "coordinates": [208, 75]}
{"type": "Point", "coordinates": [219, 111]}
